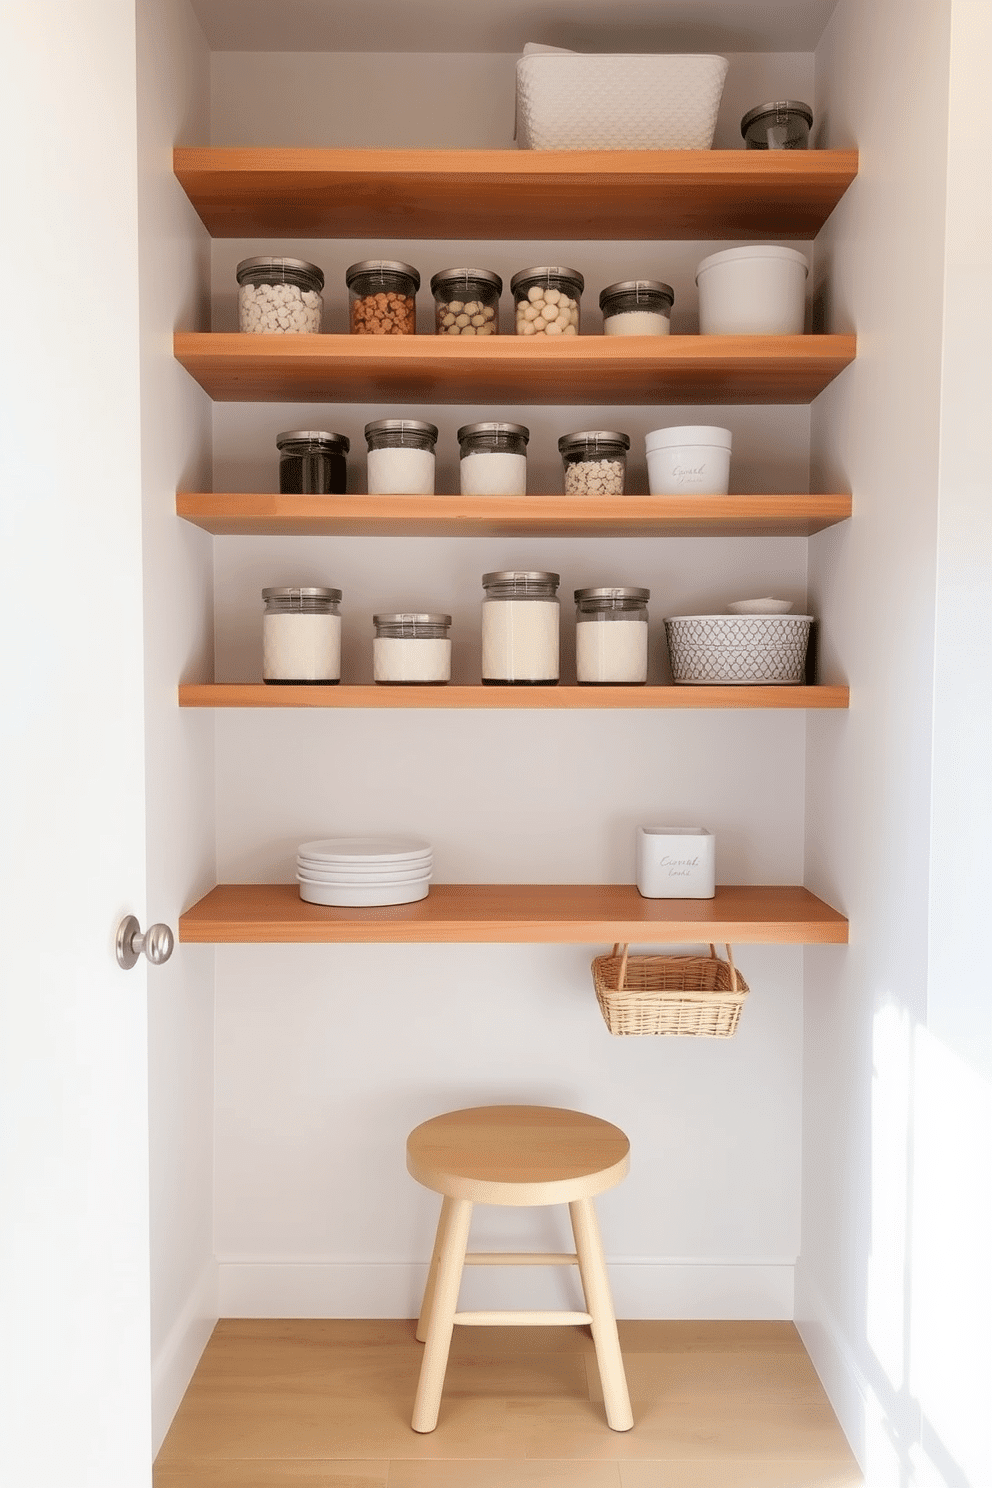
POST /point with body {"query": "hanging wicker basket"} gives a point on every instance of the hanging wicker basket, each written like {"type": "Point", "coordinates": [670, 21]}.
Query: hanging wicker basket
{"type": "Point", "coordinates": [691, 996]}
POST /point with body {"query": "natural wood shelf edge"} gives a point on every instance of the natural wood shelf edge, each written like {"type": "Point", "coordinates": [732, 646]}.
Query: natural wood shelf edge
{"type": "Point", "coordinates": [518, 913]}
{"type": "Point", "coordinates": [515, 699]}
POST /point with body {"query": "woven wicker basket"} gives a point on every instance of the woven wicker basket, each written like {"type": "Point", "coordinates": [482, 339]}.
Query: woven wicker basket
{"type": "Point", "coordinates": [695, 996]}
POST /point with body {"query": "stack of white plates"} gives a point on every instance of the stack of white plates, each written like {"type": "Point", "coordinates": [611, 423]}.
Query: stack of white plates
{"type": "Point", "coordinates": [357, 871]}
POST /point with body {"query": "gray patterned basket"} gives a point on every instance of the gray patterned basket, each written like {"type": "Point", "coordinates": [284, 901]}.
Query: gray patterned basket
{"type": "Point", "coordinates": [744, 650]}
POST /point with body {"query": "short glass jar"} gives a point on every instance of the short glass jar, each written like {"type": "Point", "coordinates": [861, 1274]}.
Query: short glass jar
{"type": "Point", "coordinates": [301, 635]}
{"type": "Point", "coordinates": [411, 649]}
{"type": "Point", "coordinates": [493, 459]}
{"type": "Point", "coordinates": [382, 297]}
{"type": "Point", "coordinates": [611, 636]}
{"type": "Point", "coordinates": [547, 301]}
{"type": "Point", "coordinates": [466, 302]}
{"type": "Point", "coordinates": [520, 617]}
{"type": "Point", "coordinates": [778, 126]}
{"type": "Point", "coordinates": [276, 295]}
{"type": "Point", "coordinates": [401, 457]}
{"type": "Point", "coordinates": [312, 463]}
{"type": "Point", "coordinates": [637, 307]}
{"type": "Point", "coordinates": [595, 462]}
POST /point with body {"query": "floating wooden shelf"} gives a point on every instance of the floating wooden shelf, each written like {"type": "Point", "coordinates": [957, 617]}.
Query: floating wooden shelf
{"type": "Point", "coordinates": [557, 913]}
{"type": "Point", "coordinates": [264, 514]}
{"type": "Point", "coordinates": [261, 695]}
{"type": "Point", "coordinates": [514, 194]}
{"type": "Point", "coordinates": [242, 368]}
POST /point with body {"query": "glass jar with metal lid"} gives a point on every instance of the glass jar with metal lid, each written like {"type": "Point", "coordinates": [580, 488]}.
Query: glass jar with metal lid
{"type": "Point", "coordinates": [466, 302]}
{"type": "Point", "coordinates": [595, 462]}
{"type": "Point", "coordinates": [312, 462]}
{"type": "Point", "coordinates": [301, 635]}
{"type": "Point", "coordinates": [382, 295]}
{"type": "Point", "coordinates": [637, 307]}
{"type": "Point", "coordinates": [784, 125]}
{"type": "Point", "coordinates": [520, 628]}
{"type": "Point", "coordinates": [276, 295]}
{"type": "Point", "coordinates": [493, 459]}
{"type": "Point", "coordinates": [411, 649]}
{"type": "Point", "coordinates": [611, 636]}
{"type": "Point", "coordinates": [547, 301]}
{"type": "Point", "coordinates": [401, 457]}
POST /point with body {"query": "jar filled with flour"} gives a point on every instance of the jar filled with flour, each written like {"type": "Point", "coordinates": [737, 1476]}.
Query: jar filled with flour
{"type": "Point", "coordinates": [611, 636]}
{"type": "Point", "coordinates": [493, 459]}
{"type": "Point", "coordinates": [301, 635]}
{"type": "Point", "coordinates": [637, 307]}
{"type": "Point", "coordinates": [279, 295]}
{"type": "Point", "coordinates": [411, 649]}
{"type": "Point", "coordinates": [520, 628]}
{"type": "Point", "coordinates": [401, 457]}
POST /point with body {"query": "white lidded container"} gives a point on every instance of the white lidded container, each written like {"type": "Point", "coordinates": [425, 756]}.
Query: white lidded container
{"type": "Point", "coordinates": [759, 290]}
{"type": "Point", "coordinates": [688, 460]}
{"type": "Point", "coordinates": [301, 635]}
{"type": "Point", "coordinates": [676, 863]}
{"type": "Point", "coordinates": [412, 649]}
{"type": "Point", "coordinates": [520, 628]}
{"type": "Point", "coordinates": [401, 457]}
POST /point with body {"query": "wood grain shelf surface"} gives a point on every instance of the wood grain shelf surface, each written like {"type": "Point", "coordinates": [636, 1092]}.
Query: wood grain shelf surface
{"type": "Point", "coordinates": [518, 913]}
{"type": "Point", "coordinates": [518, 699]}
{"type": "Point", "coordinates": [238, 368]}
{"type": "Point", "coordinates": [268, 514]}
{"type": "Point", "coordinates": [514, 194]}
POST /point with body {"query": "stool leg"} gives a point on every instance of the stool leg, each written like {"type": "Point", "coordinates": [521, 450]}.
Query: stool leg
{"type": "Point", "coordinates": [442, 1313]}
{"type": "Point", "coordinates": [426, 1307]}
{"type": "Point", "coordinates": [599, 1304]}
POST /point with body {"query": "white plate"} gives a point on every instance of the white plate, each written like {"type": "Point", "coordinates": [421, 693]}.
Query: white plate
{"type": "Point", "coordinates": [352, 898]}
{"type": "Point", "coordinates": [365, 849]}
{"type": "Point", "coordinates": [761, 606]}
{"type": "Point", "coordinates": [308, 875]}
{"type": "Point", "coordinates": [364, 870]}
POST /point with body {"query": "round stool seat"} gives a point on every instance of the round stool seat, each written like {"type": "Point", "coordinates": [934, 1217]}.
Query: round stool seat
{"type": "Point", "coordinates": [517, 1155]}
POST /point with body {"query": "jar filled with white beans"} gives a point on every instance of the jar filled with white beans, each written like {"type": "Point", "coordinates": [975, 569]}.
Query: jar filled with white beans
{"type": "Point", "coordinates": [493, 459]}
{"type": "Point", "coordinates": [637, 307]}
{"type": "Point", "coordinates": [401, 457]}
{"type": "Point", "coordinates": [466, 302]}
{"type": "Point", "coordinates": [611, 636]}
{"type": "Point", "coordinates": [276, 295]}
{"type": "Point", "coordinates": [382, 297]}
{"type": "Point", "coordinates": [520, 628]}
{"type": "Point", "coordinates": [595, 462]}
{"type": "Point", "coordinates": [547, 301]}
{"type": "Point", "coordinates": [412, 649]}
{"type": "Point", "coordinates": [301, 635]}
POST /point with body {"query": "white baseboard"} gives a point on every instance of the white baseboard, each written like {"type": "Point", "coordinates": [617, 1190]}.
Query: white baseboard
{"type": "Point", "coordinates": [179, 1354]}
{"type": "Point", "coordinates": [641, 1289]}
{"type": "Point", "coordinates": [840, 1374]}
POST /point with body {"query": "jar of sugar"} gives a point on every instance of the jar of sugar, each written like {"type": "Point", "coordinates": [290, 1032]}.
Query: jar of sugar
{"type": "Point", "coordinates": [547, 301]}
{"type": "Point", "coordinates": [401, 457]}
{"type": "Point", "coordinates": [411, 649]}
{"type": "Point", "coordinates": [312, 462]}
{"type": "Point", "coordinates": [520, 628]}
{"type": "Point", "coordinates": [276, 295]}
{"type": "Point", "coordinates": [637, 307]}
{"type": "Point", "coordinates": [466, 302]}
{"type": "Point", "coordinates": [595, 462]}
{"type": "Point", "coordinates": [382, 296]}
{"type": "Point", "coordinates": [301, 635]}
{"type": "Point", "coordinates": [611, 636]}
{"type": "Point", "coordinates": [493, 459]}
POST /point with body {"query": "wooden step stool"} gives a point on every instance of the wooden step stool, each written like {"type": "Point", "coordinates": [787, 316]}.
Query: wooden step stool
{"type": "Point", "coordinates": [522, 1156]}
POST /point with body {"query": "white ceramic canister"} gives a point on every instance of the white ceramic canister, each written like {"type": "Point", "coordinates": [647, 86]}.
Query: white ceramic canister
{"type": "Point", "coordinates": [401, 457]}
{"type": "Point", "coordinates": [520, 628]}
{"type": "Point", "coordinates": [759, 290]}
{"type": "Point", "coordinates": [411, 649]}
{"type": "Point", "coordinates": [691, 460]}
{"type": "Point", "coordinates": [301, 635]}
{"type": "Point", "coordinates": [676, 863]}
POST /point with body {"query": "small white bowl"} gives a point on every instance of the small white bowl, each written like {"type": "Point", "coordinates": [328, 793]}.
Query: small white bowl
{"type": "Point", "coordinates": [760, 606]}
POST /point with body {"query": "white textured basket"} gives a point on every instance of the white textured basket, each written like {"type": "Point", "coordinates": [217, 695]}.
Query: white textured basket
{"type": "Point", "coordinates": [738, 649]}
{"type": "Point", "coordinates": [567, 101]}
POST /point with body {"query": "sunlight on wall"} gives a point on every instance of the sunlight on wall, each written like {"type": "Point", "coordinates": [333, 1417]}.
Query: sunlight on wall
{"type": "Point", "coordinates": [890, 1143]}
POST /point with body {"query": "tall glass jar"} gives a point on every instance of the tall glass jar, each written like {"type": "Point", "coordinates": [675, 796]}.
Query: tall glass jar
{"type": "Point", "coordinates": [637, 307]}
{"type": "Point", "coordinates": [411, 649]}
{"type": "Point", "coordinates": [611, 636]}
{"type": "Point", "coordinates": [493, 459]}
{"type": "Point", "coordinates": [382, 295]}
{"type": "Point", "coordinates": [595, 462]}
{"type": "Point", "coordinates": [401, 457]}
{"type": "Point", "coordinates": [466, 302]}
{"type": "Point", "coordinates": [312, 462]}
{"type": "Point", "coordinates": [301, 635]}
{"type": "Point", "coordinates": [520, 628]}
{"type": "Point", "coordinates": [276, 295]}
{"type": "Point", "coordinates": [547, 301]}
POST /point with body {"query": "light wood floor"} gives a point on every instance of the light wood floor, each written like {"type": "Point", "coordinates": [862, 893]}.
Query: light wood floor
{"type": "Point", "coordinates": [716, 1405]}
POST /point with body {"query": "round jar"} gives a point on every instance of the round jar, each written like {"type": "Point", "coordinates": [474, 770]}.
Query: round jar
{"type": "Point", "coordinates": [595, 462]}
{"type": "Point", "coordinates": [276, 295]}
{"type": "Point", "coordinates": [611, 636]}
{"type": "Point", "coordinates": [778, 126]}
{"type": "Point", "coordinates": [301, 635]}
{"type": "Point", "coordinates": [382, 297]}
{"type": "Point", "coordinates": [411, 649]}
{"type": "Point", "coordinates": [692, 460]}
{"type": "Point", "coordinates": [493, 459]}
{"type": "Point", "coordinates": [312, 463]}
{"type": "Point", "coordinates": [637, 307]}
{"type": "Point", "coordinates": [759, 290]}
{"type": "Point", "coordinates": [547, 301]}
{"type": "Point", "coordinates": [466, 302]}
{"type": "Point", "coordinates": [401, 457]}
{"type": "Point", "coordinates": [520, 628]}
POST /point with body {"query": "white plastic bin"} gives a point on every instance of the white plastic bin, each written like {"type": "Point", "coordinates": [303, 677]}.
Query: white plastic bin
{"type": "Point", "coordinates": [693, 459]}
{"type": "Point", "coordinates": [759, 290]}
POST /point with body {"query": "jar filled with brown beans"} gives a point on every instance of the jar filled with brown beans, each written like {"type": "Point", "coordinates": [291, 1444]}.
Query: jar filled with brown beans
{"type": "Point", "coordinates": [382, 298]}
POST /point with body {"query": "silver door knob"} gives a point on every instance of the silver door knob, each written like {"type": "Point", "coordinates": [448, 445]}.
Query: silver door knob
{"type": "Point", "coordinates": [156, 943]}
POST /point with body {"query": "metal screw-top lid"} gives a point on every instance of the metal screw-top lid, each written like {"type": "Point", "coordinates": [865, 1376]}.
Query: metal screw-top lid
{"type": "Point", "coordinates": [783, 106]}
{"type": "Point", "coordinates": [333, 443]}
{"type": "Point", "coordinates": [593, 439]}
{"type": "Point", "coordinates": [461, 276]}
{"type": "Point", "coordinates": [411, 619]}
{"type": "Point", "coordinates": [618, 592]}
{"type": "Point", "coordinates": [520, 576]}
{"type": "Point", "coordinates": [397, 426]}
{"type": "Point", "coordinates": [519, 431]}
{"type": "Point", "coordinates": [289, 268]}
{"type": "Point", "coordinates": [524, 276]}
{"type": "Point", "coordinates": [381, 266]}
{"type": "Point", "coordinates": [295, 592]}
{"type": "Point", "coordinates": [650, 288]}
